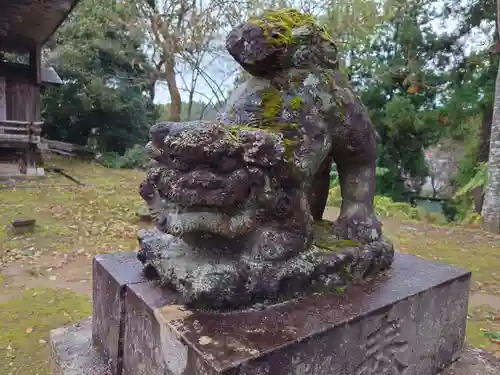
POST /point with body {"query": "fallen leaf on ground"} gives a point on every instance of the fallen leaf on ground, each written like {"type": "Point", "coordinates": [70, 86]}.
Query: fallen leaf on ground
{"type": "Point", "coordinates": [493, 335]}
{"type": "Point", "coordinates": [204, 340]}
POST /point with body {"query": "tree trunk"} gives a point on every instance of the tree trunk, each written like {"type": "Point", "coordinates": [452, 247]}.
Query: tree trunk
{"type": "Point", "coordinates": [173, 90]}
{"type": "Point", "coordinates": [491, 204]}
{"type": "Point", "coordinates": [433, 184]}
{"type": "Point", "coordinates": [152, 89]}
{"type": "Point", "coordinates": [483, 154]}
{"type": "Point", "coordinates": [190, 105]}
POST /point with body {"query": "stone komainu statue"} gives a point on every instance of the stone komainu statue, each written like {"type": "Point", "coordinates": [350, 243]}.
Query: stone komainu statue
{"type": "Point", "coordinates": [238, 202]}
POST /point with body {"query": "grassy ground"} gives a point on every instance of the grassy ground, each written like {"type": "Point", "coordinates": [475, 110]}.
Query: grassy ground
{"type": "Point", "coordinates": [25, 322]}
{"type": "Point", "coordinates": [46, 276]}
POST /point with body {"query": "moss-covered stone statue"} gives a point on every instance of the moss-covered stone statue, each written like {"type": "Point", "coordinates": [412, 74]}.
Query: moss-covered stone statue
{"type": "Point", "coordinates": [238, 202]}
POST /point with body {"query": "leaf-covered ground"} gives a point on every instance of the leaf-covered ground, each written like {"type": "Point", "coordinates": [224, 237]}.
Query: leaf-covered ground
{"type": "Point", "coordinates": [46, 276]}
{"type": "Point", "coordinates": [69, 218]}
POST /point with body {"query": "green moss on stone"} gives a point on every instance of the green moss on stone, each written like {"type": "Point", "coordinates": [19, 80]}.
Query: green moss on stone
{"type": "Point", "coordinates": [289, 145]}
{"type": "Point", "coordinates": [272, 102]}
{"type": "Point", "coordinates": [347, 274]}
{"type": "Point", "coordinates": [323, 238]}
{"type": "Point", "coordinates": [329, 81]}
{"type": "Point", "coordinates": [297, 103]}
{"type": "Point", "coordinates": [324, 34]}
{"type": "Point", "coordinates": [289, 142]}
{"type": "Point", "coordinates": [279, 24]}
{"type": "Point", "coordinates": [271, 107]}
{"type": "Point", "coordinates": [233, 133]}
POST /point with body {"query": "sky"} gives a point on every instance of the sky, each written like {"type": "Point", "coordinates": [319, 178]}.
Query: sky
{"type": "Point", "coordinates": [220, 70]}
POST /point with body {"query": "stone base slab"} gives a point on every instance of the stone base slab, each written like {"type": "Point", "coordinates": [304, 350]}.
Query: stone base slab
{"type": "Point", "coordinates": [71, 354]}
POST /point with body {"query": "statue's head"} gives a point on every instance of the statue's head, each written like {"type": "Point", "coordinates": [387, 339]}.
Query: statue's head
{"type": "Point", "coordinates": [278, 40]}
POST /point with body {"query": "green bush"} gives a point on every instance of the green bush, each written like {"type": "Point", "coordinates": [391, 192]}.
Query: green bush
{"type": "Point", "coordinates": [473, 219]}
{"type": "Point", "coordinates": [109, 159]}
{"type": "Point", "coordinates": [480, 178]}
{"type": "Point", "coordinates": [386, 207]}
{"type": "Point", "coordinates": [135, 157]}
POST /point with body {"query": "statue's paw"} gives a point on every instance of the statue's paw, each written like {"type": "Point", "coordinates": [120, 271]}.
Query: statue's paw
{"type": "Point", "coordinates": [361, 229]}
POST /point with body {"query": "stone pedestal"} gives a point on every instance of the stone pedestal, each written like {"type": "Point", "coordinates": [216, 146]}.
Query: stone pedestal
{"type": "Point", "coordinates": [112, 273]}
{"type": "Point", "coordinates": [410, 320]}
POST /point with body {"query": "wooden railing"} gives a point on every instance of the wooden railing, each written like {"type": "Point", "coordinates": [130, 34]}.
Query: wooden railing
{"type": "Point", "coordinates": [20, 131]}
{"type": "Point", "coordinates": [64, 148]}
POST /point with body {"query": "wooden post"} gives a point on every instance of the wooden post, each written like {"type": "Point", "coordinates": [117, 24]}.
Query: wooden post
{"type": "Point", "coordinates": [35, 64]}
{"type": "Point", "coordinates": [495, 48]}
{"type": "Point", "coordinates": [3, 100]}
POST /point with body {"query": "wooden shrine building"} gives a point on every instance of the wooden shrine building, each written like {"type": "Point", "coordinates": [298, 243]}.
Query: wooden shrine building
{"type": "Point", "coordinates": [25, 25]}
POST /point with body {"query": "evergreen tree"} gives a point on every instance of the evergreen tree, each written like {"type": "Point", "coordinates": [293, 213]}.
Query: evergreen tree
{"type": "Point", "coordinates": [400, 87]}
{"type": "Point", "coordinates": [101, 60]}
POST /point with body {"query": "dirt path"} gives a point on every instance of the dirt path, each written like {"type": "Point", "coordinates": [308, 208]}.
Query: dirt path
{"type": "Point", "coordinates": [478, 299]}
{"type": "Point", "coordinates": [72, 272]}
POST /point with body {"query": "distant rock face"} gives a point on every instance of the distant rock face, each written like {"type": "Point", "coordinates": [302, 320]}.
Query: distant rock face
{"type": "Point", "coordinates": [442, 161]}
{"type": "Point", "coordinates": [234, 200]}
